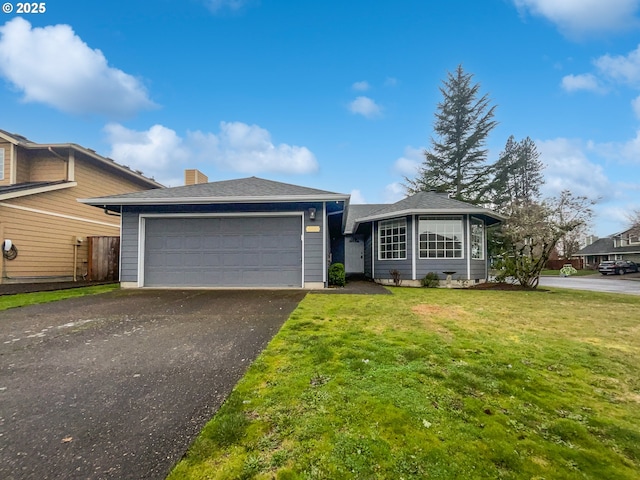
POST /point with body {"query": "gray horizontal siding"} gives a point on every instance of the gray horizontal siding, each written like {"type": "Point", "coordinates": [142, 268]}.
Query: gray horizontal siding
{"type": "Point", "coordinates": [384, 267]}
{"type": "Point", "coordinates": [440, 265]}
{"type": "Point", "coordinates": [478, 270]}
{"type": "Point", "coordinates": [425, 265]}
{"type": "Point", "coordinates": [129, 247]}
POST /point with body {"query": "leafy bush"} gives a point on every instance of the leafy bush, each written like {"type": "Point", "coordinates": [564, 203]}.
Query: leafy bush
{"type": "Point", "coordinates": [431, 280]}
{"type": "Point", "coordinates": [336, 275]}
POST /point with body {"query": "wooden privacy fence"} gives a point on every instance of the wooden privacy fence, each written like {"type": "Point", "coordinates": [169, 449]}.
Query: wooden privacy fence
{"type": "Point", "coordinates": [558, 264]}
{"type": "Point", "coordinates": [104, 259]}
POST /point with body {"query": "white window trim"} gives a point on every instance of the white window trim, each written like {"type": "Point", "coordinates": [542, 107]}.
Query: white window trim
{"type": "Point", "coordinates": [462, 241]}
{"type": "Point", "coordinates": [2, 161]}
{"type": "Point", "coordinates": [380, 222]}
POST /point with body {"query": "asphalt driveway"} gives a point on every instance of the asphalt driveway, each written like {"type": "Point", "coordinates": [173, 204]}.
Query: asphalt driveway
{"type": "Point", "coordinates": [117, 385]}
{"type": "Point", "coordinates": [629, 284]}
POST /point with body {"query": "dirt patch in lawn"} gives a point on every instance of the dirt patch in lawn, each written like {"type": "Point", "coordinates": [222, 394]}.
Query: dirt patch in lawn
{"type": "Point", "coordinates": [430, 314]}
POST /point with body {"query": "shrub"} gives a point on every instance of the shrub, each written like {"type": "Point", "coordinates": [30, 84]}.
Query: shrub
{"type": "Point", "coordinates": [336, 275]}
{"type": "Point", "coordinates": [395, 274]}
{"type": "Point", "coordinates": [431, 280]}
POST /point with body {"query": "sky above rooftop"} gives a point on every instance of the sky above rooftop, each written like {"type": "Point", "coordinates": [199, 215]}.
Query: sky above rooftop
{"type": "Point", "coordinates": [333, 95]}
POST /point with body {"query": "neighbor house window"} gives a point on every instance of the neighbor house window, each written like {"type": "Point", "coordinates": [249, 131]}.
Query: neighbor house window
{"type": "Point", "coordinates": [392, 239]}
{"type": "Point", "coordinates": [440, 237]}
{"type": "Point", "coordinates": [477, 239]}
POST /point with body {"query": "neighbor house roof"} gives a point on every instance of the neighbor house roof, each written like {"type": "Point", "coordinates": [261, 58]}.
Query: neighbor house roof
{"type": "Point", "coordinates": [605, 246]}
{"type": "Point", "coordinates": [31, 188]}
{"type": "Point", "coordinates": [601, 246]}
{"type": "Point", "coordinates": [243, 190]}
{"type": "Point", "coordinates": [24, 142]}
{"type": "Point", "coordinates": [422, 203]}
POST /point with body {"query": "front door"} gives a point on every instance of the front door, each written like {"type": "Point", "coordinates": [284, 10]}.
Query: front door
{"type": "Point", "coordinates": [353, 255]}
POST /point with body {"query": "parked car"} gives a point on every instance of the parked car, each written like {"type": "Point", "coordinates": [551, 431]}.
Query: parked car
{"type": "Point", "coordinates": [617, 267]}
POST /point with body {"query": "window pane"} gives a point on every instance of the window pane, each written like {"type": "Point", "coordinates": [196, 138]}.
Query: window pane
{"type": "Point", "coordinates": [392, 238]}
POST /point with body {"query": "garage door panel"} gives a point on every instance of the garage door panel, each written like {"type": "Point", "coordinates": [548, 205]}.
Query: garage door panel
{"type": "Point", "coordinates": [174, 259]}
{"type": "Point", "coordinates": [251, 241]}
{"type": "Point", "coordinates": [193, 242]}
{"type": "Point", "coordinates": [212, 259]}
{"type": "Point", "coordinates": [175, 243]}
{"type": "Point", "coordinates": [192, 259]}
{"type": "Point", "coordinates": [229, 251]}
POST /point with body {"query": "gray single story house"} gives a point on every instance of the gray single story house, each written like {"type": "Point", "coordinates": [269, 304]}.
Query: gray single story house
{"type": "Point", "coordinates": [253, 233]}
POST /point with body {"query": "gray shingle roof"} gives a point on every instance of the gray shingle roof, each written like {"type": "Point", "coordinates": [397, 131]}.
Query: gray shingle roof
{"type": "Point", "coordinates": [420, 203]}
{"type": "Point", "coordinates": [605, 246]}
{"type": "Point", "coordinates": [240, 190]}
{"type": "Point", "coordinates": [359, 211]}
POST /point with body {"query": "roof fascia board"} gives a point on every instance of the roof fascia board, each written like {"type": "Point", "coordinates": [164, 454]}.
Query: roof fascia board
{"type": "Point", "coordinates": [33, 191]}
{"type": "Point", "coordinates": [9, 138]}
{"type": "Point", "coordinates": [209, 200]}
{"type": "Point", "coordinates": [429, 211]}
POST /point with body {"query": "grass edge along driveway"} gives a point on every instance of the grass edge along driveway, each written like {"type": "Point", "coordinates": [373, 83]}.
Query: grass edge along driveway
{"type": "Point", "coordinates": [24, 299]}
{"type": "Point", "coordinates": [438, 384]}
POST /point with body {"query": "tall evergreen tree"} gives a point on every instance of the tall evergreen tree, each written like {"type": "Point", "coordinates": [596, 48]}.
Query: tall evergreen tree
{"type": "Point", "coordinates": [456, 161]}
{"type": "Point", "coordinates": [517, 173]}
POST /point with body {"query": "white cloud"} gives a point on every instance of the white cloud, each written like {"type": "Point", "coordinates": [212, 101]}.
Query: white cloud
{"type": "Point", "coordinates": [621, 152]}
{"type": "Point", "coordinates": [158, 152]}
{"type": "Point", "coordinates": [52, 65]}
{"type": "Point", "coordinates": [635, 104]}
{"type": "Point", "coordinates": [361, 86]}
{"type": "Point", "coordinates": [568, 167]}
{"type": "Point", "coordinates": [237, 147]}
{"type": "Point", "coordinates": [357, 197]}
{"type": "Point", "coordinates": [586, 81]}
{"type": "Point", "coordinates": [366, 107]}
{"type": "Point", "coordinates": [394, 192]}
{"type": "Point", "coordinates": [624, 69]}
{"type": "Point", "coordinates": [216, 6]}
{"type": "Point", "coordinates": [390, 82]}
{"type": "Point", "coordinates": [576, 18]}
{"type": "Point", "coordinates": [409, 164]}
{"type": "Point", "coordinates": [249, 149]}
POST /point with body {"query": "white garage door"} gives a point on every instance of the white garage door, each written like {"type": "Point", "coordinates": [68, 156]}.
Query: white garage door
{"type": "Point", "coordinates": [223, 252]}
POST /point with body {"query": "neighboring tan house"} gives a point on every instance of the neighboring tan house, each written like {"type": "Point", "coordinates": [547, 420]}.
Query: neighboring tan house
{"type": "Point", "coordinates": [253, 232]}
{"type": "Point", "coordinates": [620, 246]}
{"type": "Point", "coordinates": [39, 213]}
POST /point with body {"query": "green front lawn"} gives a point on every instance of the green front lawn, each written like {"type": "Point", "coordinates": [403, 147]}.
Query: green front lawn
{"type": "Point", "coordinates": [437, 383]}
{"type": "Point", "coordinates": [24, 299]}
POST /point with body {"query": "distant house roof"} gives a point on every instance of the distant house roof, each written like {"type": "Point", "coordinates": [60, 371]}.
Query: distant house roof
{"type": "Point", "coordinates": [602, 246]}
{"type": "Point", "coordinates": [243, 190]}
{"type": "Point", "coordinates": [605, 246]}
{"type": "Point", "coordinates": [24, 142]}
{"type": "Point", "coordinates": [421, 203]}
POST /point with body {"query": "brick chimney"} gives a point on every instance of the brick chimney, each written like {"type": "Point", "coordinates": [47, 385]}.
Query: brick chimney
{"type": "Point", "coordinates": [194, 177]}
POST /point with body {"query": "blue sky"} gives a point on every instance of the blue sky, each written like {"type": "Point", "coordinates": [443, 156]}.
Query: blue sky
{"type": "Point", "coordinates": [338, 95]}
